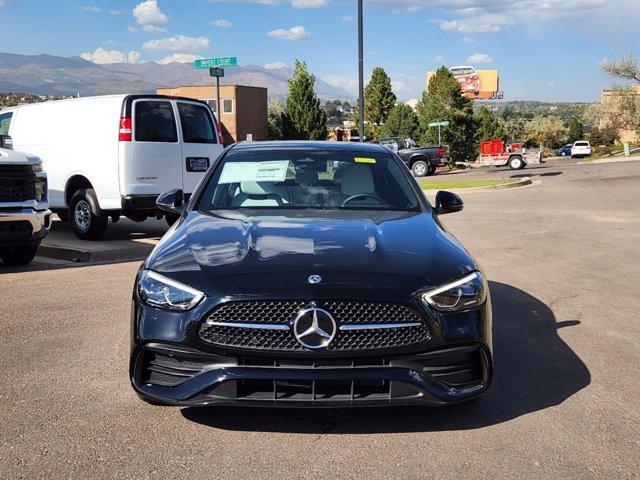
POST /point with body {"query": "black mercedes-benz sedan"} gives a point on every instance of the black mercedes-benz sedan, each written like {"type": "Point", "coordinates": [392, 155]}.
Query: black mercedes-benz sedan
{"type": "Point", "coordinates": [310, 274]}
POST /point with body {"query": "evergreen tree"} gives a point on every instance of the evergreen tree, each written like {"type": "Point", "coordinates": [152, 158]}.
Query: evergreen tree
{"type": "Point", "coordinates": [275, 111]}
{"type": "Point", "coordinates": [444, 101]}
{"type": "Point", "coordinates": [402, 122]}
{"type": "Point", "coordinates": [488, 126]}
{"type": "Point", "coordinates": [576, 130]}
{"type": "Point", "coordinates": [303, 119]}
{"type": "Point", "coordinates": [379, 98]}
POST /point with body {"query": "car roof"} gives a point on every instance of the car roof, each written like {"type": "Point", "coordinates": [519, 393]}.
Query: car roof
{"type": "Point", "coordinates": [316, 145]}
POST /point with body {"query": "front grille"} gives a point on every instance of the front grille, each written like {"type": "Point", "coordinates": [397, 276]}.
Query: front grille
{"type": "Point", "coordinates": [362, 325]}
{"type": "Point", "coordinates": [17, 183]}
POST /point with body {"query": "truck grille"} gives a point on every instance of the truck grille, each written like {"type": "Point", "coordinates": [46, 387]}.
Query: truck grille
{"type": "Point", "coordinates": [17, 183]}
{"type": "Point", "coordinates": [361, 325]}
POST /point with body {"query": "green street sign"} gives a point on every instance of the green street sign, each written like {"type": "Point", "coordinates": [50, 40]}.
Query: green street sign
{"type": "Point", "coordinates": [216, 62]}
{"type": "Point", "coordinates": [439, 124]}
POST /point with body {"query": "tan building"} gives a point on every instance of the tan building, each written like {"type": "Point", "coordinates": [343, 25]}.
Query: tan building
{"type": "Point", "coordinates": [243, 109]}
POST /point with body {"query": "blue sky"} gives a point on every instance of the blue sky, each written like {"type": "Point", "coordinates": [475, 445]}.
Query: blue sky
{"type": "Point", "coordinates": [545, 50]}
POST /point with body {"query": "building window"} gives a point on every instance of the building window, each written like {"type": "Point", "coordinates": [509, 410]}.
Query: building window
{"type": "Point", "coordinates": [227, 105]}
{"type": "Point", "coordinates": [213, 104]}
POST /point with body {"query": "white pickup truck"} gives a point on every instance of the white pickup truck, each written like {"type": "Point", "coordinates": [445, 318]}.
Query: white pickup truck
{"type": "Point", "coordinates": [25, 217]}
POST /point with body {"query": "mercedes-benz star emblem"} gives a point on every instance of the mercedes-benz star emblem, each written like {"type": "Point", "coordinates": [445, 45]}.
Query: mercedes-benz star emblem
{"type": "Point", "coordinates": [313, 279]}
{"type": "Point", "coordinates": [314, 328]}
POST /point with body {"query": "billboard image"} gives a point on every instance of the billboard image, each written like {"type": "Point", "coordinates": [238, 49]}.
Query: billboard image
{"type": "Point", "coordinates": [475, 84]}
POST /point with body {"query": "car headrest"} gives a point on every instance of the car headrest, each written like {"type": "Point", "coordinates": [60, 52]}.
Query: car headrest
{"type": "Point", "coordinates": [357, 179]}
{"type": "Point", "coordinates": [254, 188]}
{"type": "Point", "coordinates": [306, 177]}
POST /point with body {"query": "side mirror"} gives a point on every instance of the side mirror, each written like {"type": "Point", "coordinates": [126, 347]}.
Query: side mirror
{"type": "Point", "coordinates": [447, 202]}
{"type": "Point", "coordinates": [6, 142]}
{"type": "Point", "coordinates": [171, 201]}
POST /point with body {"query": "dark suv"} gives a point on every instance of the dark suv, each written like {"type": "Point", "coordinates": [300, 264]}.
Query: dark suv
{"type": "Point", "coordinates": [310, 274]}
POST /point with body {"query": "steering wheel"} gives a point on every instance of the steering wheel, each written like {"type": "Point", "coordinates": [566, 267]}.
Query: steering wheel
{"type": "Point", "coordinates": [363, 195]}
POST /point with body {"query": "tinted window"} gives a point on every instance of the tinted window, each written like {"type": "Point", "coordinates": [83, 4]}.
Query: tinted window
{"type": "Point", "coordinates": [227, 105]}
{"type": "Point", "coordinates": [154, 122]}
{"type": "Point", "coordinates": [197, 126]}
{"type": "Point", "coordinates": [5, 121]}
{"type": "Point", "coordinates": [582, 144]}
{"type": "Point", "coordinates": [308, 178]}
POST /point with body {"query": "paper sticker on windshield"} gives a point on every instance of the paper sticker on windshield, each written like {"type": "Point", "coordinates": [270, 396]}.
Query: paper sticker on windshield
{"type": "Point", "coordinates": [238, 172]}
{"type": "Point", "coordinates": [365, 160]}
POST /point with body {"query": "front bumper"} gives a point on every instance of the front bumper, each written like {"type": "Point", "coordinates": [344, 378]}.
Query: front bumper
{"type": "Point", "coordinates": [171, 365]}
{"type": "Point", "coordinates": [22, 226]}
{"type": "Point", "coordinates": [182, 376]}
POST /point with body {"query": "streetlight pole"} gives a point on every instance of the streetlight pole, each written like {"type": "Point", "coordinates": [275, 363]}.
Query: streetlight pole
{"type": "Point", "coordinates": [360, 72]}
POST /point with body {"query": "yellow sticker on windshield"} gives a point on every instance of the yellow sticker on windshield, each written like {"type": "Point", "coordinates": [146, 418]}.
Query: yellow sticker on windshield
{"type": "Point", "coordinates": [365, 160]}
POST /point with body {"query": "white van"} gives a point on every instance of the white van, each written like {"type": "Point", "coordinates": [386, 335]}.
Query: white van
{"type": "Point", "coordinates": [113, 155]}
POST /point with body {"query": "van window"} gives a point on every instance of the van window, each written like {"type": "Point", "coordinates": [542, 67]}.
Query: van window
{"type": "Point", "coordinates": [155, 122]}
{"type": "Point", "coordinates": [197, 126]}
{"type": "Point", "coordinates": [5, 121]}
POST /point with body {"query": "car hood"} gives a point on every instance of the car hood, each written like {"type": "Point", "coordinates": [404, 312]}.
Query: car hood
{"type": "Point", "coordinates": [357, 254]}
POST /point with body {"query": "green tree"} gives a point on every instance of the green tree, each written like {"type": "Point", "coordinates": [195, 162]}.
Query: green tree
{"type": "Point", "coordinates": [625, 68]}
{"type": "Point", "coordinates": [379, 98]}
{"type": "Point", "coordinates": [576, 130]}
{"type": "Point", "coordinates": [401, 122]}
{"type": "Point", "coordinates": [514, 129]}
{"type": "Point", "coordinates": [547, 131]}
{"type": "Point", "coordinates": [488, 126]}
{"type": "Point", "coordinates": [443, 100]}
{"type": "Point", "coordinates": [275, 111]}
{"type": "Point", "coordinates": [303, 118]}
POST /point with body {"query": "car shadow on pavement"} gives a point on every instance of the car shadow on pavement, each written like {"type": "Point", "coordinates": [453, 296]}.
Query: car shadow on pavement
{"type": "Point", "coordinates": [546, 174]}
{"type": "Point", "coordinates": [534, 369]}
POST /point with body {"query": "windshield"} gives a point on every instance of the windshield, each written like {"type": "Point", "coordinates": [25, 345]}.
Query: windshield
{"type": "Point", "coordinates": [308, 179]}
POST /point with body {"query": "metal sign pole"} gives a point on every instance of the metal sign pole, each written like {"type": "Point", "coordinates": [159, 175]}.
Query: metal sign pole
{"type": "Point", "coordinates": [439, 136]}
{"type": "Point", "coordinates": [218, 97]}
{"type": "Point", "coordinates": [360, 71]}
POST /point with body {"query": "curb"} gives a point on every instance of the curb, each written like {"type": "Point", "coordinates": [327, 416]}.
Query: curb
{"type": "Point", "coordinates": [520, 183]}
{"type": "Point", "coordinates": [75, 255]}
{"type": "Point", "coordinates": [609, 160]}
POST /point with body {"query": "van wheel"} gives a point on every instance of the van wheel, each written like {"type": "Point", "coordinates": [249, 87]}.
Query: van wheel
{"type": "Point", "coordinates": [84, 221]}
{"type": "Point", "coordinates": [19, 255]}
{"type": "Point", "coordinates": [516, 163]}
{"type": "Point", "coordinates": [171, 219]}
{"type": "Point", "coordinates": [420, 168]}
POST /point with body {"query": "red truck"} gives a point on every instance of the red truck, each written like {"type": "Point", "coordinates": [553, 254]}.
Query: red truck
{"type": "Point", "coordinates": [499, 154]}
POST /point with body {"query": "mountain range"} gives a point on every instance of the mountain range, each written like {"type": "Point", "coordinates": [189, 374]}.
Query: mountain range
{"type": "Point", "coordinates": [53, 75]}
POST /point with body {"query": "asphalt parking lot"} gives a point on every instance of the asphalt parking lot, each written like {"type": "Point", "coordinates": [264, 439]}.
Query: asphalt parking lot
{"type": "Point", "coordinates": [563, 259]}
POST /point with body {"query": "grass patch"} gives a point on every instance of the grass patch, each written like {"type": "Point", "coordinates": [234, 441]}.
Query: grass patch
{"type": "Point", "coordinates": [455, 184]}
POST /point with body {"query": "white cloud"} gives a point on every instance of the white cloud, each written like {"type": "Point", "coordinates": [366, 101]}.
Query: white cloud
{"type": "Point", "coordinates": [133, 56]}
{"type": "Point", "coordinates": [347, 18]}
{"type": "Point", "coordinates": [149, 13]}
{"type": "Point", "coordinates": [487, 22]}
{"type": "Point", "coordinates": [179, 58]}
{"type": "Point", "coordinates": [102, 56]}
{"type": "Point", "coordinates": [221, 23]}
{"type": "Point", "coordinates": [309, 3]}
{"type": "Point", "coordinates": [275, 65]}
{"type": "Point", "coordinates": [91, 8]}
{"type": "Point", "coordinates": [177, 43]}
{"type": "Point", "coordinates": [439, 58]}
{"type": "Point", "coordinates": [479, 58]}
{"type": "Point", "coordinates": [153, 29]}
{"type": "Point", "coordinates": [293, 33]}
{"type": "Point", "coordinates": [348, 82]}
{"type": "Point", "coordinates": [115, 12]}
{"type": "Point", "coordinates": [132, 29]}
{"type": "Point", "coordinates": [409, 9]}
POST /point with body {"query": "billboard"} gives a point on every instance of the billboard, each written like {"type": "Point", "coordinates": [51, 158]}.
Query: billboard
{"type": "Point", "coordinates": [475, 84]}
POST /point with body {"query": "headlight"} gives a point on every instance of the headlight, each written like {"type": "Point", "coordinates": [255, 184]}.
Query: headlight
{"type": "Point", "coordinates": [159, 291]}
{"type": "Point", "coordinates": [463, 294]}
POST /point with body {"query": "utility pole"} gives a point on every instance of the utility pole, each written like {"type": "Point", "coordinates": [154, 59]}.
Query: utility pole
{"type": "Point", "coordinates": [360, 72]}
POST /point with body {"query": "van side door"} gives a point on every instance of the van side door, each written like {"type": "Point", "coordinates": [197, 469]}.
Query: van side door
{"type": "Point", "coordinates": [156, 152]}
{"type": "Point", "coordinates": [200, 145]}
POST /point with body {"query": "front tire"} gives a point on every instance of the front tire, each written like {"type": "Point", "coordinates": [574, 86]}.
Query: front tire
{"type": "Point", "coordinates": [87, 222]}
{"type": "Point", "coordinates": [420, 168]}
{"type": "Point", "coordinates": [19, 255]}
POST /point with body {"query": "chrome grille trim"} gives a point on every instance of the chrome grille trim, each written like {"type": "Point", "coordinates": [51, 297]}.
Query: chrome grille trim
{"type": "Point", "coordinates": [252, 326]}
{"type": "Point", "coordinates": [380, 326]}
